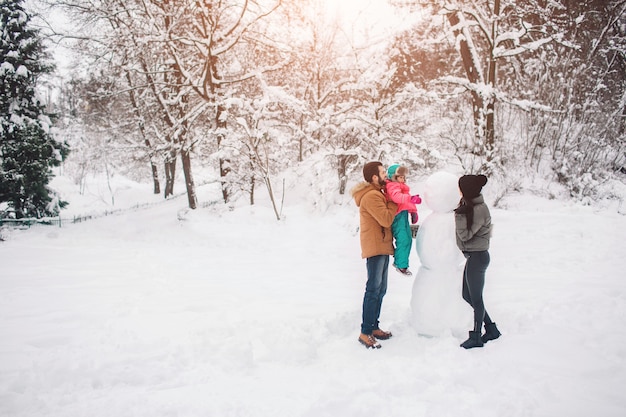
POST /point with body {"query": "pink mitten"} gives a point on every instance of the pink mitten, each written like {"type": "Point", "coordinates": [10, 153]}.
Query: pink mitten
{"type": "Point", "coordinates": [416, 199]}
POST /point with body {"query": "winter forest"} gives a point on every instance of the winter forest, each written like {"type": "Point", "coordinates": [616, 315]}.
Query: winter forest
{"type": "Point", "coordinates": [187, 166]}
{"type": "Point", "coordinates": [234, 92]}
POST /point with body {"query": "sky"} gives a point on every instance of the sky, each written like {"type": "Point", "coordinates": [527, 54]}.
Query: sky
{"type": "Point", "coordinates": [369, 21]}
{"type": "Point", "coordinates": [158, 310]}
{"type": "Point", "coordinates": [369, 12]}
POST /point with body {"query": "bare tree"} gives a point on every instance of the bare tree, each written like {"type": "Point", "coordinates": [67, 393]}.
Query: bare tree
{"type": "Point", "coordinates": [181, 52]}
{"type": "Point", "coordinates": [199, 39]}
{"type": "Point", "coordinates": [487, 33]}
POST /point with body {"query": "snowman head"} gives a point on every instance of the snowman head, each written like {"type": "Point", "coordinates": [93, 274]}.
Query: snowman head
{"type": "Point", "coordinates": [441, 192]}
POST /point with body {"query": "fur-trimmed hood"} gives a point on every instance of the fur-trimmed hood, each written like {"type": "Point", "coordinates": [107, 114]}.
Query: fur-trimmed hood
{"type": "Point", "coordinates": [359, 190]}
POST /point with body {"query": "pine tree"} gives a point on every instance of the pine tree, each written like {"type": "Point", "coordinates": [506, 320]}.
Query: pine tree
{"type": "Point", "coordinates": [28, 149]}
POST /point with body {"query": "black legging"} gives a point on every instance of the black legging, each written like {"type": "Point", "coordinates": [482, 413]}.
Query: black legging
{"type": "Point", "coordinates": [473, 284]}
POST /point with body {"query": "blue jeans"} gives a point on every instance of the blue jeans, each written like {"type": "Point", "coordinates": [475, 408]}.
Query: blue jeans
{"type": "Point", "coordinates": [375, 289]}
{"type": "Point", "coordinates": [473, 284]}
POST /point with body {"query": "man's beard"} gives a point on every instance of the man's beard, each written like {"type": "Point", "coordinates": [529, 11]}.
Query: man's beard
{"type": "Point", "coordinates": [380, 183]}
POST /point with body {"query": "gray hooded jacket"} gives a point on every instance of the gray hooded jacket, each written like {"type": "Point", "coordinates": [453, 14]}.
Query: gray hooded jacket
{"type": "Point", "coordinates": [476, 239]}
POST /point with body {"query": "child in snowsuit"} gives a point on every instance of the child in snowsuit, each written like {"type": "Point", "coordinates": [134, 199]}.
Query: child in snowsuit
{"type": "Point", "coordinates": [398, 192]}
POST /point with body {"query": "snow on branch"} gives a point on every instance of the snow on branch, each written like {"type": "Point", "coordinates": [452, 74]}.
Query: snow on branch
{"type": "Point", "coordinates": [499, 52]}
{"type": "Point", "coordinates": [482, 89]}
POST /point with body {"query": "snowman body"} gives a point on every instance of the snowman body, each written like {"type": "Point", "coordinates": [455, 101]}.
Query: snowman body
{"type": "Point", "coordinates": [437, 305]}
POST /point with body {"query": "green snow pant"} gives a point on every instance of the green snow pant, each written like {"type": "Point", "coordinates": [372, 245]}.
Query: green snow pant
{"type": "Point", "coordinates": [403, 239]}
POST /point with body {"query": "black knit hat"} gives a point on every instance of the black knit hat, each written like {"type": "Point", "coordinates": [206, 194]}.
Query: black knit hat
{"type": "Point", "coordinates": [370, 169]}
{"type": "Point", "coordinates": [472, 185]}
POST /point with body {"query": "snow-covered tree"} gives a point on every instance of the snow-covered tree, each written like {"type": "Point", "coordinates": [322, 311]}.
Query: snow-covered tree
{"type": "Point", "coordinates": [387, 111]}
{"type": "Point", "coordinates": [324, 76]}
{"type": "Point", "coordinates": [246, 88]}
{"type": "Point", "coordinates": [429, 115]}
{"type": "Point", "coordinates": [179, 63]}
{"type": "Point", "coordinates": [486, 35]}
{"type": "Point", "coordinates": [582, 139]}
{"type": "Point", "coordinates": [28, 149]}
{"type": "Point", "coordinates": [545, 82]}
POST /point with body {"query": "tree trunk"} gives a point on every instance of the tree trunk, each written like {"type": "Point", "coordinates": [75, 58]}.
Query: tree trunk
{"type": "Point", "coordinates": [170, 173]}
{"type": "Point", "coordinates": [191, 188]}
{"type": "Point", "coordinates": [224, 162]}
{"type": "Point", "coordinates": [268, 184]}
{"type": "Point", "coordinates": [491, 80]}
{"type": "Point", "coordinates": [212, 81]}
{"type": "Point", "coordinates": [137, 110]}
{"type": "Point", "coordinates": [301, 141]}
{"type": "Point", "coordinates": [473, 74]}
{"type": "Point", "coordinates": [153, 166]}
{"type": "Point", "coordinates": [342, 171]}
{"type": "Point", "coordinates": [155, 178]}
{"type": "Point", "coordinates": [622, 123]}
{"type": "Point", "coordinates": [252, 188]}
{"type": "Point", "coordinates": [482, 107]}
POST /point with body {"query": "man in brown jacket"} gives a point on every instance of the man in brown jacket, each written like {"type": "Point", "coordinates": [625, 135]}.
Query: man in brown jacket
{"type": "Point", "coordinates": [376, 216]}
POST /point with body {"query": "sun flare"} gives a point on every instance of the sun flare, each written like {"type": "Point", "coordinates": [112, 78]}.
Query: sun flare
{"type": "Point", "coordinates": [371, 16]}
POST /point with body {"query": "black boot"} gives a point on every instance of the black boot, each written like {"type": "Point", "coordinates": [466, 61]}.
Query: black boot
{"type": "Point", "coordinates": [473, 341]}
{"type": "Point", "coordinates": [491, 332]}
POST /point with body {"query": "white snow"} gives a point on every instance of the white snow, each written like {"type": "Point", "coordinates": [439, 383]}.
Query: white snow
{"type": "Point", "coordinates": [162, 311]}
{"type": "Point", "coordinates": [22, 71]}
{"type": "Point", "coordinates": [6, 68]}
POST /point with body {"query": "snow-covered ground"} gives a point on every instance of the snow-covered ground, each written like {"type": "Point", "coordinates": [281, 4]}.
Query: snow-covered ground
{"type": "Point", "coordinates": [162, 311]}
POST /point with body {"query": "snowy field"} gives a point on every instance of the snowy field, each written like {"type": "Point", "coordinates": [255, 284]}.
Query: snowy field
{"type": "Point", "coordinates": [161, 311]}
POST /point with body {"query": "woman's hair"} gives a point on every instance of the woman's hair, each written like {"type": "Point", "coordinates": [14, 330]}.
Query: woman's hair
{"type": "Point", "coordinates": [466, 206]}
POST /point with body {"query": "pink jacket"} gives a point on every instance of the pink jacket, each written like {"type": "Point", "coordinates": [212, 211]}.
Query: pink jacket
{"type": "Point", "coordinates": [399, 193]}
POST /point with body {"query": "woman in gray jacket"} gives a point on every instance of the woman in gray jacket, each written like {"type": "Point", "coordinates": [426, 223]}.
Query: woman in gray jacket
{"type": "Point", "coordinates": [473, 232]}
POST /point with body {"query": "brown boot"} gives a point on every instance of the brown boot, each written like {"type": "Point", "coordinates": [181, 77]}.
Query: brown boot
{"type": "Point", "coordinates": [381, 334]}
{"type": "Point", "coordinates": [369, 341]}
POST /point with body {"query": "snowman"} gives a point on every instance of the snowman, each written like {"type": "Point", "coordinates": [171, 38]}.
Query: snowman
{"type": "Point", "coordinates": [437, 306]}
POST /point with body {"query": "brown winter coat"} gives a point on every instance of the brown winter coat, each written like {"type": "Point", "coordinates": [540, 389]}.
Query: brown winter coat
{"type": "Point", "coordinates": [376, 215]}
